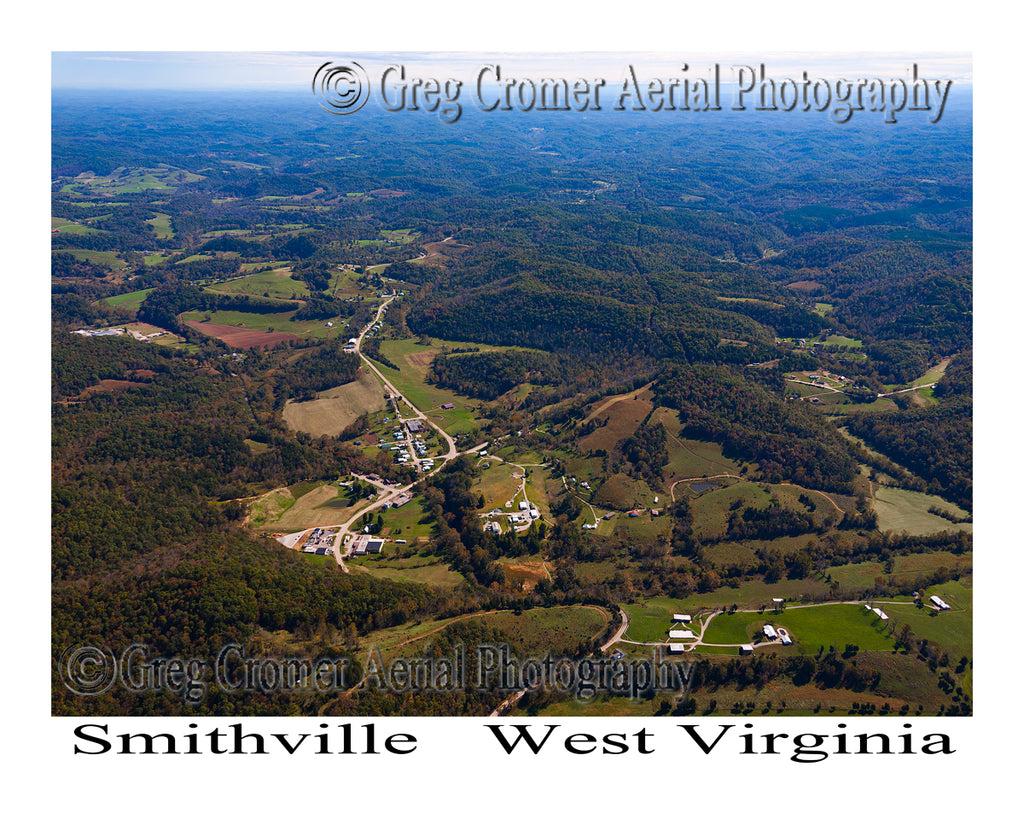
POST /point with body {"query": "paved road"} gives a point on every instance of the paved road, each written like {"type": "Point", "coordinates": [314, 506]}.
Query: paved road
{"type": "Point", "coordinates": [618, 634]}
{"type": "Point", "coordinates": [390, 493]}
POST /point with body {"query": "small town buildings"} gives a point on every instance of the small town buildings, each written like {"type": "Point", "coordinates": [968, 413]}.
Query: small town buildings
{"type": "Point", "coordinates": [367, 545]}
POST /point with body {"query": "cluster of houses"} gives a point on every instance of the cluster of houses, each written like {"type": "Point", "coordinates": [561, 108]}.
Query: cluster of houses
{"type": "Point", "coordinates": [413, 427]}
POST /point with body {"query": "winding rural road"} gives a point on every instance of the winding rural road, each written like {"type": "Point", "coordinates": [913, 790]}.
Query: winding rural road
{"type": "Point", "coordinates": [388, 492]}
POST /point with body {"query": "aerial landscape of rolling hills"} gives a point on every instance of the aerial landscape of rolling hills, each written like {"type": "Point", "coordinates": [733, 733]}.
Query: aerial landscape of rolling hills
{"type": "Point", "coordinates": [601, 388]}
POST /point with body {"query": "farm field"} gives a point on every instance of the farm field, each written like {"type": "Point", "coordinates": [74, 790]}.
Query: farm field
{"type": "Point", "coordinates": [902, 510]}
{"type": "Point", "coordinates": [132, 300]}
{"type": "Point", "coordinates": [413, 360]}
{"type": "Point", "coordinates": [497, 485]}
{"type": "Point", "coordinates": [649, 619]}
{"type": "Point", "coordinates": [161, 224]}
{"type": "Point", "coordinates": [811, 628]}
{"type": "Point", "coordinates": [842, 341]}
{"type": "Point", "coordinates": [950, 629]}
{"type": "Point", "coordinates": [623, 418]}
{"type": "Point", "coordinates": [276, 324]}
{"type": "Point", "coordinates": [242, 337]}
{"type": "Point", "coordinates": [406, 522]}
{"type": "Point", "coordinates": [905, 681]}
{"type": "Point", "coordinates": [275, 284]}
{"type": "Point", "coordinates": [74, 228]}
{"type": "Point", "coordinates": [933, 374]}
{"type": "Point", "coordinates": [559, 630]}
{"type": "Point", "coordinates": [337, 407]}
{"type": "Point", "coordinates": [431, 571]}
{"type": "Point", "coordinates": [527, 571]}
{"type": "Point", "coordinates": [107, 258]}
{"type": "Point", "coordinates": [301, 506]}
{"type": "Point", "coordinates": [862, 575]}
{"type": "Point", "coordinates": [130, 180]}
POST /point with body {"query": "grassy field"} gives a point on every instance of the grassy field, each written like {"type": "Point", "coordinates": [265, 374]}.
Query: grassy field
{"type": "Point", "coordinates": [810, 628]}
{"type": "Point", "coordinates": [842, 341]}
{"type": "Point", "coordinates": [301, 506]}
{"type": "Point", "coordinates": [902, 510]}
{"type": "Point", "coordinates": [108, 258]}
{"type": "Point", "coordinates": [131, 180]}
{"type": "Point", "coordinates": [688, 458]}
{"type": "Point", "coordinates": [275, 284]}
{"type": "Point", "coordinates": [951, 629]}
{"type": "Point", "coordinates": [161, 224]}
{"type": "Point", "coordinates": [406, 522]}
{"type": "Point", "coordinates": [711, 509]}
{"type": "Point", "coordinates": [260, 322]}
{"type": "Point", "coordinates": [497, 484]}
{"type": "Point", "coordinates": [74, 228]}
{"type": "Point", "coordinates": [880, 405]}
{"type": "Point", "coordinates": [525, 571]}
{"type": "Point", "coordinates": [431, 571]}
{"type": "Point", "coordinates": [649, 619]}
{"type": "Point", "coordinates": [559, 630]}
{"type": "Point", "coordinates": [132, 301]}
{"type": "Point", "coordinates": [413, 360]}
{"type": "Point", "coordinates": [862, 575]}
{"type": "Point", "coordinates": [336, 408]}
{"type": "Point", "coordinates": [905, 681]}
{"type": "Point", "coordinates": [619, 491]}
{"type": "Point", "coordinates": [620, 420]}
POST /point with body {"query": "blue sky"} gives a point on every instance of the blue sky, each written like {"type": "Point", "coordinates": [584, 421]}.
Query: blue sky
{"type": "Point", "coordinates": [284, 70]}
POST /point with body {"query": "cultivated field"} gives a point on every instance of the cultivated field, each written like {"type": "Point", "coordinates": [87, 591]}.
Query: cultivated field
{"type": "Point", "coordinates": [336, 408]}
{"type": "Point", "coordinates": [241, 337]}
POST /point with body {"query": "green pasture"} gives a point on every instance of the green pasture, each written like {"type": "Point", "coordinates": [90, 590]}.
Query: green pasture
{"type": "Point", "coordinates": [902, 510]}
{"type": "Point", "coordinates": [811, 627]}
{"type": "Point", "coordinates": [161, 224]}
{"type": "Point", "coordinates": [132, 300]}
{"type": "Point", "coordinates": [262, 322]}
{"type": "Point", "coordinates": [107, 258]}
{"type": "Point", "coordinates": [268, 283]}
{"type": "Point", "coordinates": [431, 571]}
